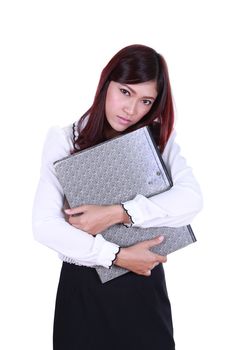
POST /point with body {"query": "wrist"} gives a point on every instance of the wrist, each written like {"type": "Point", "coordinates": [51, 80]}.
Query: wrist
{"type": "Point", "coordinates": [120, 256]}
{"type": "Point", "coordinates": [116, 255]}
{"type": "Point", "coordinates": [119, 215]}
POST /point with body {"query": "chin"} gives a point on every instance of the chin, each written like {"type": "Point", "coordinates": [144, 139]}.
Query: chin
{"type": "Point", "coordinates": [118, 128]}
{"type": "Point", "coordinates": [121, 128]}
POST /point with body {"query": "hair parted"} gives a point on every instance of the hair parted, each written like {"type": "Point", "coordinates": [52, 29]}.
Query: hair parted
{"type": "Point", "coordinates": [131, 65]}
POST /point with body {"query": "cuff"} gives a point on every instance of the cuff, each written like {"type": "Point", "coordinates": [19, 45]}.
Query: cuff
{"type": "Point", "coordinates": [119, 248]}
{"type": "Point", "coordinates": [130, 217]}
{"type": "Point", "coordinates": [108, 252]}
{"type": "Point", "coordinates": [134, 213]}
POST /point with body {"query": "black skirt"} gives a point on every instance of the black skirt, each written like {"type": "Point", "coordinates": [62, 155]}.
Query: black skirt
{"type": "Point", "coordinates": [129, 312]}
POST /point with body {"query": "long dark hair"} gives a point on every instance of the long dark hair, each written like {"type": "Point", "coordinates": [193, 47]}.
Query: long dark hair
{"type": "Point", "coordinates": [132, 65]}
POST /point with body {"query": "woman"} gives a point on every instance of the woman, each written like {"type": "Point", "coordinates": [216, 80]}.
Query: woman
{"type": "Point", "coordinates": [131, 311]}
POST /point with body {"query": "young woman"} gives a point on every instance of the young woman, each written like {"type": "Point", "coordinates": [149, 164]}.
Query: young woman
{"type": "Point", "coordinates": [131, 311]}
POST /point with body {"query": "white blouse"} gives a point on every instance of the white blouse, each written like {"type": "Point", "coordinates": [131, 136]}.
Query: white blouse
{"type": "Point", "coordinates": [176, 207]}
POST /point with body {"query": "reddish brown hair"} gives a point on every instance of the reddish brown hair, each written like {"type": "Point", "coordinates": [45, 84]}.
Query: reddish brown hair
{"type": "Point", "coordinates": [132, 65]}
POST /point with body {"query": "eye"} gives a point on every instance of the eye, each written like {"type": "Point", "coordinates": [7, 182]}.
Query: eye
{"type": "Point", "coordinates": [125, 92]}
{"type": "Point", "coordinates": [147, 102]}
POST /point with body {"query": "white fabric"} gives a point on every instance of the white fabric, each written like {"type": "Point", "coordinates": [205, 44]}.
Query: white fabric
{"type": "Point", "coordinates": [175, 207]}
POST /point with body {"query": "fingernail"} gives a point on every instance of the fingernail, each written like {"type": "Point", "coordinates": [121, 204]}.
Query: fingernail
{"type": "Point", "coordinates": [67, 211]}
{"type": "Point", "coordinates": [161, 238]}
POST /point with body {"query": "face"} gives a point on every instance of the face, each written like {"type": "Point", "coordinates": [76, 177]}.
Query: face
{"type": "Point", "coordinates": [127, 104]}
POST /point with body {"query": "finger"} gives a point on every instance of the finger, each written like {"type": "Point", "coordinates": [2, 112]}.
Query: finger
{"type": "Point", "coordinates": [148, 273]}
{"type": "Point", "coordinates": [74, 220]}
{"type": "Point", "coordinates": [160, 258]}
{"type": "Point", "coordinates": [154, 265]}
{"type": "Point", "coordinates": [77, 210]}
{"type": "Point", "coordinates": [155, 241]}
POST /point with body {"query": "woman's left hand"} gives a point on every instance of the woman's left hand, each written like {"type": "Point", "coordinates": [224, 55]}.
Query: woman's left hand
{"type": "Point", "coordinates": [96, 218]}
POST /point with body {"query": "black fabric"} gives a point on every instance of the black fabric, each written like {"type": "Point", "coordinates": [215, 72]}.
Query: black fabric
{"type": "Point", "coordinates": [129, 312]}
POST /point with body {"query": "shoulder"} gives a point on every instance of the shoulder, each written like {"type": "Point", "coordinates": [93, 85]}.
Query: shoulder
{"type": "Point", "coordinates": [59, 134]}
{"type": "Point", "coordinates": [58, 143]}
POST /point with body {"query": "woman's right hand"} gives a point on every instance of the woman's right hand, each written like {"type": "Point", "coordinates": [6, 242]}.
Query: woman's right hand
{"type": "Point", "coordinates": [139, 259]}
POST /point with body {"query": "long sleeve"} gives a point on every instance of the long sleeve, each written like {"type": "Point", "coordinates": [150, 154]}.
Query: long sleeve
{"type": "Point", "coordinates": [48, 222]}
{"type": "Point", "coordinates": [173, 208]}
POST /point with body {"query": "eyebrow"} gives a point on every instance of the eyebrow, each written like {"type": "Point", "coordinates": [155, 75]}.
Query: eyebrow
{"type": "Point", "coordinates": [134, 92]}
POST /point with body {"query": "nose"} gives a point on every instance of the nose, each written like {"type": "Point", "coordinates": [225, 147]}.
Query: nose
{"type": "Point", "coordinates": [131, 108]}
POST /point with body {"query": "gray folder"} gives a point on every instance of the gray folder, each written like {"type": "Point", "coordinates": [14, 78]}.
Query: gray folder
{"type": "Point", "coordinates": [116, 171]}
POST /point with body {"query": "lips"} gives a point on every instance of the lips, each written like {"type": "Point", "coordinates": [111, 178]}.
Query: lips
{"type": "Point", "coordinates": [123, 120]}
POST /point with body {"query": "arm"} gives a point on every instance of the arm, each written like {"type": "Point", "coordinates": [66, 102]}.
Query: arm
{"type": "Point", "coordinates": [136, 258]}
{"type": "Point", "coordinates": [174, 208]}
{"type": "Point", "coordinates": [49, 225]}
{"type": "Point", "coordinates": [95, 219]}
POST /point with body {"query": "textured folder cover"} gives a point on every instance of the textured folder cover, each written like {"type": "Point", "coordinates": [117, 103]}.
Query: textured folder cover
{"type": "Point", "coordinates": [116, 171]}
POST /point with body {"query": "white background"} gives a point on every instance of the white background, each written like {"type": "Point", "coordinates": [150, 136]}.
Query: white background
{"type": "Point", "coordinates": [52, 53]}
